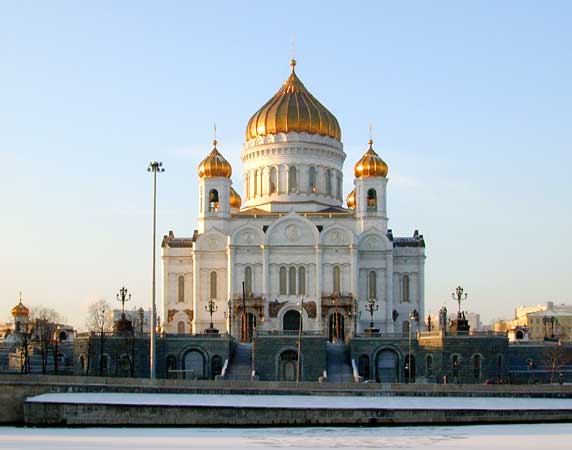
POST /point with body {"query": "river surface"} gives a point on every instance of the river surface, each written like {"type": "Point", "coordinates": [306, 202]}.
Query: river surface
{"type": "Point", "coordinates": [523, 437]}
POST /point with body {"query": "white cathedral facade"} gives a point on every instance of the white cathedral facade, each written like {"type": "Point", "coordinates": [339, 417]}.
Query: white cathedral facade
{"type": "Point", "coordinates": [292, 238]}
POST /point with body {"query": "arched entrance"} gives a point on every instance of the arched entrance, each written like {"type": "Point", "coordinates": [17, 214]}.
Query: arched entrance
{"type": "Point", "coordinates": [288, 365]}
{"type": "Point", "coordinates": [216, 366]}
{"type": "Point", "coordinates": [247, 330]}
{"type": "Point", "coordinates": [194, 364]}
{"type": "Point", "coordinates": [336, 327]}
{"type": "Point", "coordinates": [386, 367]}
{"type": "Point", "coordinates": [291, 321]}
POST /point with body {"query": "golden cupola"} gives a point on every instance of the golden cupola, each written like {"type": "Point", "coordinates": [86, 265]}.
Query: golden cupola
{"type": "Point", "coordinates": [214, 165]}
{"type": "Point", "coordinates": [351, 199]}
{"type": "Point", "coordinates": [370, 164]}
{"type": "Point", "coordinates": [293, 109]}
{"type": "Point", "coordinates": [235, 200]}
{"type": "Point", "coordinates": [20, 310]}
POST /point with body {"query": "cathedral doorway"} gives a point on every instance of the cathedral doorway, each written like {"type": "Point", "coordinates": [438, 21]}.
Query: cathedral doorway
{"type": "Point", "coordinates": [194, 365]}
{"type": "Point", "coordinates": [288, 365]}
{"type": "Point", "coordinates": [336, 327]}
{"type": "Point", "coordinates": [291, 321]}
{"type": "Point", "coordinates": [248, 327]}
{"type": "Point", "coordinates": [386, 365]}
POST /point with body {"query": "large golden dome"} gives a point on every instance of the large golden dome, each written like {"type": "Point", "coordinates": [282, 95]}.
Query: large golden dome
{"type": "Point", "coordinates": [351, 199]}
{"type": "Point", "coordinates": [293, 108]}
{"type": "Point", "coordinates": [214, 165]}
{"type": "Point", "coordinates": [235, 200]}
{"type": "Point", "coordinates": [370, 164]}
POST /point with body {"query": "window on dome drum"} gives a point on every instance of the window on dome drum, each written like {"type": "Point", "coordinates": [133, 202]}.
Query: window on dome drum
{"type": "Point", "coordinates": [302, 281]}
{"type": "Point", "coordinates": [312, 179]}
{"type": "Point", "coordinates": [371, 200]}
{"type": "Point", "coordinates": [337, 280]}
{"type": "Point", "coordinates": [292, 179]}
{"type": "Point", "coordinates": [248, 280]}
{"type": "Point", "coordinates": [372, 284]}
{"type": "Point", "coordinates": [282, 287]}
{"type": "Point", "coordinates": [328, 182]}
{"type": "Point", "coordinates": [273, 180]}
{"type": "Point", "coordinates": [255, 189]}
{"type": "Point", "coordinates": [213, 200]}
{"type": "Point", "coordinates": [247, 182]}
{"type": "Point", "coordinates": [213, 282]}
{"type": "Point", "coordinates": [292, 281]}
{"type": "Point", "coordinates": [340, 187]}
{"type": "Point", "coordinates": [181, 289]}
{"type": "Point", "coordinates": [405, 289]}
{"type": "Point", "coordinates": [201, 200]}
{"type": "Point", "coordinates": [181, 327]}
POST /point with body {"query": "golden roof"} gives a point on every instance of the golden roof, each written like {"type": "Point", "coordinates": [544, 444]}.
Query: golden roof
{"type": "Point", "coordinates": [20, 310]}
{"type": "Point", "coordinates": [370, 164]}
{"type": "Point", "coordinates": [235, 200]}
{"type": "Point", "coordinates": [293, 108]}
{"type": "Point", "coordinates": [214, 165]}
{"type": "Point", "coordinates": [351, 199]}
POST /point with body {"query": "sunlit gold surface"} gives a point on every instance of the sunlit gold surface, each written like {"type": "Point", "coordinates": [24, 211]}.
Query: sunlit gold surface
{"type": "Point", "coordinates": [214, 165]}
{"type": "Point", "coordinates": [20, 310]}
{"type": "Point", "coordinates": [293, 108]}
{"type": "Point", "coordinates": [351, 199]}
{"type": "Point", "coordinates": [370, 164]}
{"type": "Point", "coordinates": [235, 200]}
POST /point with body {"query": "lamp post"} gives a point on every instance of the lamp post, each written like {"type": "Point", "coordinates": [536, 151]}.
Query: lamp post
{"type": "Point", "coordinates": [244, 317]}
{"type": "Point", "coordinates": [155, 167]}
{"type": "Point", "coordinates": [356, 313]}
{"type": "Point", "coordinates": [336, 324]}
{"type": "Point", "coordinates": [123, 297]}
{"type": "Point", "coordinates": [141, 313]}
{"type": "Point", "coordinates": [371, 307]}
{"type": "Point", "coordinates": [459, 295]}
{"type": "Point", "coordinates": [413, 317]}
{"type": "Point", "coordinates": [228, 315]}
{"type": "Point", "coordinates": [211, 308]}
{"type": "Point", "coordinates": [298, 374]}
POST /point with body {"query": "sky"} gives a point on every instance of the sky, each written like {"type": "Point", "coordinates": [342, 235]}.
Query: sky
{"type": "Point", "coordinates": [470, 104]}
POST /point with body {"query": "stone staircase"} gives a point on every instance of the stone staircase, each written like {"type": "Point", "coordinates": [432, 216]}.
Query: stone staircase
{"type": "Point", "coordinates": [240, 365]}
{"type": "Point", "coordinates": [339, 366]}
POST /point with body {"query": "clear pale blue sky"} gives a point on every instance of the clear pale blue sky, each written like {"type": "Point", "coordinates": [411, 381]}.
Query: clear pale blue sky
{"type": "Point", "coordinates": [471, 105]}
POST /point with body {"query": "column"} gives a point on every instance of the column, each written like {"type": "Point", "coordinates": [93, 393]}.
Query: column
{"type": "Point", "coordinates": [195, 292]}
{"type": "Point", "coordinates": [318, 284]}
{"type": "Point", "coordinates": [266, 280]}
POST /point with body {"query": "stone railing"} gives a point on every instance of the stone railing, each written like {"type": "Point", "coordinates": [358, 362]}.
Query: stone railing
{"type": "Point", "coordinates": [293, 333]}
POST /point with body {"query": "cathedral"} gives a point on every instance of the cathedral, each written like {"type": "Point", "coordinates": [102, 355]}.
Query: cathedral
{"type": "Point", "coordinates": [291, 253]}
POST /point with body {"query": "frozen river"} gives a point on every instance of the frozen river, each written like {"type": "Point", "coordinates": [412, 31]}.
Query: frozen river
{"type": "Point", "coordinates": [523, 437]}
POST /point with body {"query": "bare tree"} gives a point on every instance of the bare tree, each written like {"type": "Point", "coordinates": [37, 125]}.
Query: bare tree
{"type": "Point", "coordinates": [556, 357]}
{"type": "Point", "coordinates": [99, 322]}
{"type": "Point", "coordinates": [24, 334]}
{"type": "Point", "coordinates": [46, 321]}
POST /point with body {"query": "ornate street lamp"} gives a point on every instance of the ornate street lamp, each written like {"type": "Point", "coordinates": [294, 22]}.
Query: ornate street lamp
{"type": "Point", "coordinates": [336, 326]}
{"type": "Point", "coordinates": [371, 307]}
{"type": "Point", "coordinates": [155, 167]}
{"type": "Point", "coordinates": [300, 328]}
{"type": "Point", "coordinates": [459, 295]}
{"type": "Point", "coordinates": [123, 297]}
{"type": "Point", "coordinates": [211, 308]}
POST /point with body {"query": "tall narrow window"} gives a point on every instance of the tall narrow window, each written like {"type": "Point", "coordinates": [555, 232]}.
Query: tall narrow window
{"type": "Point", "coordinates": [248, 280]}
{"type": "Point", "coordinates": [312, 179]}
{"type": "Point", "coordinates": [337, 280]}
{"type": "Point", "coordinates": [371, 200]}
{"type": "Point", "coordinates": [181, 327]}
{"type": "Point", "coordinates": [213, 282]}
{"type": "Point", "coordinates": [282, 281]}
{"type": "Point", "coordinates": [181, 289]}
{"type": "Point", "coordinates": [405, 289]}
{"type": "Point", "coordinates": [328, 182]}
{"type": "Point", "coordinates": [273, 180]}
{"type": "Point", "coordinates": [405, 326]}
{"type": "Point", "coordinates": [372, 282]}
{"type": "Point", "coordinates": [292, 281]}
{"type": "Point", "coordinates": [201, 200]}
{"type": "Point", "coordinates": [340, 187]}
{"type": "Point", "coordinates": [247, 190]}
{"type": "Point", "coordinates": [292, 179]}
{"type": "Point", "coordinates": [255, 188]}
{"type": "Point", "coordinates": [302, 281]}
{"type": "Point", "coordinates": [213, 200]}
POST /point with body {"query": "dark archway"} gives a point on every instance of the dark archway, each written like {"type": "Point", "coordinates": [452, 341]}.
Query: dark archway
{"type": "Point", "coordinates": [363, 366]}
{"type": "Point", "coordinates": [216, 366]}
{"type": "Point", "coordinates": [519, 335]}
{"type": "Point", "coordinates": [336, 327]}
{"type": "Point", "coordinates": [291, 321]}
{"type": "Point", "coordinates": [387, 370]}
{"type": "Point", "coordinates": [171, 366]}
{"type": "Point", "coordinates": [194, 365]}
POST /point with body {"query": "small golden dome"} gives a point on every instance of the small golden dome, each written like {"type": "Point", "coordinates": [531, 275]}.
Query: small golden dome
{"type": "Point", "coordinates": [214, 165]}
{"type": "Point", "coordinates": [293, 108]}
{"type": "Point", "coordinates": [20, 310]}
{"type": "Point", "coordinates": [370, 164]}
{"type": "Point", "coordinates": [235, 200]}
{"type": "Point", "coordinates": [351, 199]}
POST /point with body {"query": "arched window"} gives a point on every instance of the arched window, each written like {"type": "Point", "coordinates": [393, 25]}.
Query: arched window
{"type": "Point", "coordinates": [405, 326]}
{"type": "Point", "coordinates": [248, 280]}
{"type": "Point", "coordinates": [312, 179]}
{"type": "Point", "coordinates": [292, 281]}
{"type": "Point", "coordinates": [328, 182]}
{"type": "Point", "coordinates": [405, 289]}
{"type": "Point", "coordinates": [372, 284]}
{"type": "Point", "coordinates": [273, 180]}
{"type": "Point", "coordinates": [181, 289]}
{"type": "Point", "coordinates": [181, 327]}
{"type": "Point", "coordinates": [429, 366]}
{"type": "Point", "coordinates": [292, 179]}
{"type": "Point", "coordinates": [371, 200]}
{"type": "Point", "coordinates": [201, 199]}
{"type": "Point", "coordinates": [213, 200]}
{"type": "Point", "coordinates": [477, 367]}
{"type": "Point", "coordinates": [340, 187]}
{"type": "Point", "coordinates": [282, 281]}
{"type": "Point", "coordinates": [302, 281]}
{"type": "Point", "coordinates": [213, 283]}
{"type": "Point", "coordinates": [337, 287]}
{"type": "Point", "coordinates": [247, 190]}
{"type": "Point", "coordinates": [255, 188]}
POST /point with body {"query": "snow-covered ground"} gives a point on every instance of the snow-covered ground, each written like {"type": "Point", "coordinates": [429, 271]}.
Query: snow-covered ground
{"type": "Point", "coordinates": [307, 401]}
{"type": "Point", "coordinates": [523, 437]}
